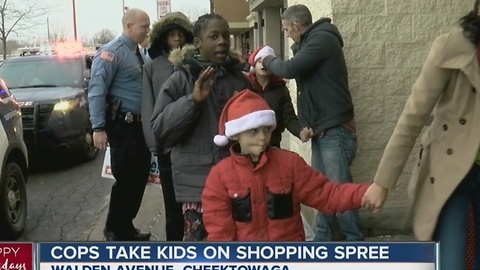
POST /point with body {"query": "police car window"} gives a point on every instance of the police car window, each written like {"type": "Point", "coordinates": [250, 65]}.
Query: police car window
{"type": "Point", "coordinates": [52, 72]}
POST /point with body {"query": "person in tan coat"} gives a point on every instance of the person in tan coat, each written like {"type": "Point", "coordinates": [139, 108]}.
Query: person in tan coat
{"type": "Point", "coordinates": [446, 177]}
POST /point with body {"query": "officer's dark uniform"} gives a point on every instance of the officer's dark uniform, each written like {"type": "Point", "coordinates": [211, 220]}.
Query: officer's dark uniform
{"type": "Point", "coordinates": [115, 104]}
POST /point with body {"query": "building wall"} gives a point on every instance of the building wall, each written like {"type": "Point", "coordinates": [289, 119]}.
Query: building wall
{"type": "Point", "coordinates": [232, 10]}
{"type": "Point", "coordinates": [386, 42]}
{"type": "Point", "coordinates": [236, 13]}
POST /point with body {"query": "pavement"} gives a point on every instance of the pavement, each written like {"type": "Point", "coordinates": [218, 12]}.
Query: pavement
{"type": "Point", "coordinates": [150, 218]}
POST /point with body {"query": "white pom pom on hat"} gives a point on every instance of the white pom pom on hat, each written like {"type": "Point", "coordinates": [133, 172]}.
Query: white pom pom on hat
{"type": "Point", "coordinates": [220, 140]}
{"type": "Point", "coordinates": [258, 54]}
{"type": "Point", "coordinates": [244, 111]}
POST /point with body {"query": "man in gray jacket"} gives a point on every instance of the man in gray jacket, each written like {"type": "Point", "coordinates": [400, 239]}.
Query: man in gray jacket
{"type": "Point", "coordinates": [324, 104]}
{"type": "Point", "coordinates": [172, 31]}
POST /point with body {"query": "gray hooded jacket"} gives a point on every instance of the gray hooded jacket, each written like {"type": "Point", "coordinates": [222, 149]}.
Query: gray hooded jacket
{"type": "Point", "coordinates": [319, 69]}
{"type": "Point", "coordinates": [157, 71]}
{"type": "Point", "coordinates": [188, 128]}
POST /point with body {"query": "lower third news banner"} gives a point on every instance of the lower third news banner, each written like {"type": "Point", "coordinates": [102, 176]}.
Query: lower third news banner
{"type": "Point", "coordinates": [236, 256]}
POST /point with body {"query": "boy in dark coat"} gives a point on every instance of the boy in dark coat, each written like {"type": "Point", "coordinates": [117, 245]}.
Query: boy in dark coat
{"type": "Point", "coordinates": [186, 112]}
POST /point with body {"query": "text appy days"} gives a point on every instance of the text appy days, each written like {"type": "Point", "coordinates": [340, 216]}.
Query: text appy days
{"type": "Point", "coordinates": [9, 251]}
{"type": "Point", "coordinates": [16, 256]}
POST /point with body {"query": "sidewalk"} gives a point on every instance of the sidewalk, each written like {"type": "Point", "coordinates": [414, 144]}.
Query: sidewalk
{"type": "Point", "coordinates": [370, 235]}
{"type": "Point", "coordinates": [149, 218]}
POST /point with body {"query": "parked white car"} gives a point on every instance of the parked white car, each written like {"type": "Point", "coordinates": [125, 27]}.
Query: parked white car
{"type": "Point", "coordinates": [14, 168]}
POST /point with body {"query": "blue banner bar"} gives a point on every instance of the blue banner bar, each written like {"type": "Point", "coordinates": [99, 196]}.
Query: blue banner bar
{"type": "Point", "coordinates": [236, 252]}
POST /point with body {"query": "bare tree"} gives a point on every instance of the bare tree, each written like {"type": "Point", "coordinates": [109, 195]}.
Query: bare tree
{"type": "Point", "coordinates": [85, 39]}
{"type": "Point", "coordinates": [103, 36]}
{"type": "Point", "coordinates": [58, 33]}
{"type": "Point", "coordinates": [12, 45]}
{"type": "Point", "coordinates": [193, 12]}
{"type": "Point", "coordinates": [18, 15]}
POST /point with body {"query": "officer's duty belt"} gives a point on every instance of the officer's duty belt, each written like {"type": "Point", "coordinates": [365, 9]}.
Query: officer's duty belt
{"type": "Point", "coordinates": [129, 117]}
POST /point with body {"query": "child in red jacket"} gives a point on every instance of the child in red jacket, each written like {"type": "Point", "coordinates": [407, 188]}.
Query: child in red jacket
{"type": "Point", "coordinates": [255, 194]}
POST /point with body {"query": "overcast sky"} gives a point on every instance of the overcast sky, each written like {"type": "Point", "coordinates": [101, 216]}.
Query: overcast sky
{"type": "Point", "coordinates": [95, 15]}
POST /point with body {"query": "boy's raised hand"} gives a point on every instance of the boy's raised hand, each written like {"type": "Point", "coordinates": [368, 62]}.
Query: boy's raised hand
{"type": "Point", "coordinates": [203, 85]}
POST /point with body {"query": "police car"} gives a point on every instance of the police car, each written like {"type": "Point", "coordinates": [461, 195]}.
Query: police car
{"type": "Point", "coordinates": [52, 93]}
{"type": "Point", "coordinates": [14, 168]}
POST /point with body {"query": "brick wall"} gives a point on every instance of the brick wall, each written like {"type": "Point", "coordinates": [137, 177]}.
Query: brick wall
{"type": "Point", "coordinates": [386, 44]}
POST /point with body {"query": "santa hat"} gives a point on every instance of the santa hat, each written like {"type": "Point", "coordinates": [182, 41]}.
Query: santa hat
{"type": "Point", "coordinates": [258, 54]}
{"type": "Point", "coordinates": [244, 111]}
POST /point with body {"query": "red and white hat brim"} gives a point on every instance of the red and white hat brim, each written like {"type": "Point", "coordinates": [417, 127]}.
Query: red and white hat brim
{"type": "Point", "coordinates": [250, 121]}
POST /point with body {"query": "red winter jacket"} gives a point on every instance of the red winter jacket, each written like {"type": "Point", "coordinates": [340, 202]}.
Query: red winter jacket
{"type": "Point", "coordinates": [262, 203]}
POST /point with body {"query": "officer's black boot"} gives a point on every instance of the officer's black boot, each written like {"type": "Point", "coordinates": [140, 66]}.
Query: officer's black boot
{"type": "Point", "coordinates": [141, 236]}
{"type": "Point", "coordinates": [137, 235]}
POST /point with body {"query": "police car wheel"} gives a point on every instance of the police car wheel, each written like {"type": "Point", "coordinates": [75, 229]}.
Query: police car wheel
{"type": "Point", "coordinates": [89, 151]}
{"type": "Point", "coordinates": [13, 202]}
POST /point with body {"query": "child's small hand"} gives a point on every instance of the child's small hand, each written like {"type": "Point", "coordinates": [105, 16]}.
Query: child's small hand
{"type": "Point", "coordinates": [311, 132]}
{"type": "Point", "coordinates": [306, 134]}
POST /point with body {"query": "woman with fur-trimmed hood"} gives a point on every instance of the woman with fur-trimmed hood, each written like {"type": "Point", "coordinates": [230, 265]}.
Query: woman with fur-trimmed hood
{"type": "Point", "coordinates": [170, 32]}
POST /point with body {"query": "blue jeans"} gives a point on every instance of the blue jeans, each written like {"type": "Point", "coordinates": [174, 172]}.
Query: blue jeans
{"type": "Point", "coordinates": [332, 154]}
{"type": "Point", "coordinates": [452, 223]}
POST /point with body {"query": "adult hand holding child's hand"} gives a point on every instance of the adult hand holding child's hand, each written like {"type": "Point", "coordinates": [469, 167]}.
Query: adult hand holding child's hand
{"type": "Point", "coordinates": [374, 198]}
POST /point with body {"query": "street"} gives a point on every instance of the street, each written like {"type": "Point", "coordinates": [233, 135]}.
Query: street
{"type": "Point", "coordinates": [65, 198]}
{"type": "Point", "coordinates": [67, 201]}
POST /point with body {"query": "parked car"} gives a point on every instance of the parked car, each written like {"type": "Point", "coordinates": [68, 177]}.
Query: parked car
{"type": "Point", "coordinates": [52, 93]}
{"type": "Point", "coordinates": [14, 168]}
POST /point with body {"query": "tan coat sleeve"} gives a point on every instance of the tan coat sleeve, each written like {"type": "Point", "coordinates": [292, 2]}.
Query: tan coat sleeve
{"type": "Point", "coordinates": [426, 91]}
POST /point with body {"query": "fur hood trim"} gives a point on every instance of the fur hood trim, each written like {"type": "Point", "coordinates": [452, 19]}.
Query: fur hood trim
{"type": "Point", "coordinates": [173, 18]}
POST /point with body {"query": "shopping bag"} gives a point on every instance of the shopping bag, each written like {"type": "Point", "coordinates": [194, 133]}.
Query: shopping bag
{"type": "Point", "coordinates": [153, 177]}
{"type": "Point", "coordinates": [106, 168]}
{"type": "Point", "coordinates": [309, 233]}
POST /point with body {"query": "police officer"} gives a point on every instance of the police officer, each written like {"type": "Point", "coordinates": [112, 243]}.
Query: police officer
{"type": "Point", "coordinates": [115, 104]}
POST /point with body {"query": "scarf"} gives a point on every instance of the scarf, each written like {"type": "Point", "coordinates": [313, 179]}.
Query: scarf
{"type": "Point", "coordinates": [197, 64]}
